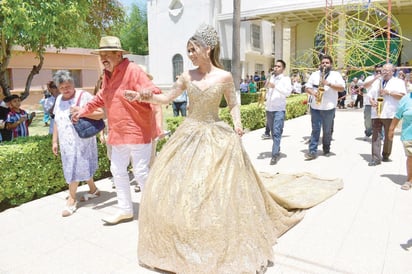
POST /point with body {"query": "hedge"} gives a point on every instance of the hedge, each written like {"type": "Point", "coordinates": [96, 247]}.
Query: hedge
{"type": "Point", "coordinates": [29, 170]}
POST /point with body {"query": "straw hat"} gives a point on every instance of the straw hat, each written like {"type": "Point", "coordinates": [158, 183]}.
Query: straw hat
{"type": "Point", "coordinates": [109, 43]}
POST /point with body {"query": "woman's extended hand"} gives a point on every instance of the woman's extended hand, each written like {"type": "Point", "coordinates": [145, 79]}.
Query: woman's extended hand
{"type": "Point", "coordinates": [239, 131]}
{"type": "Point", "coordinates": [146, 94]}
{"type": "Point", "coordinates": [143, 95]}
{"type": "Point", "coordinates": [132, 95]}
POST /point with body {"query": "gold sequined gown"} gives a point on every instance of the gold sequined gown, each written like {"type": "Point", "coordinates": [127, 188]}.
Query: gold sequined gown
{"type": "Point", "coordinates": [204, 208]}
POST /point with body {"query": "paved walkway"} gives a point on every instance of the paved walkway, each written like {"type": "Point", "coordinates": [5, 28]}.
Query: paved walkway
{"type": "Point", "coordinates": [365, 228]}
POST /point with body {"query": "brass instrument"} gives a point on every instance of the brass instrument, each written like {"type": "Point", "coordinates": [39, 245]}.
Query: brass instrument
{"type": "Point", "coordinates": [379, 106]}
{"type": "Point", "coordinates": [380, 99]}
{"type": "Point", "coordinates": [321, 87]}
{"type": "Point", "coordinates": [262, 97]}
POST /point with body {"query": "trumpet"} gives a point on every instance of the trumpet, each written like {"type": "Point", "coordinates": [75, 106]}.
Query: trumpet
{"type": "Point", "coordinates": [321, 87]}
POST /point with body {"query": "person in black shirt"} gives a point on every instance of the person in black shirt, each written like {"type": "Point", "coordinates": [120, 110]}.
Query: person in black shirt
{"type": "Point", "coordinates": [5, 134]}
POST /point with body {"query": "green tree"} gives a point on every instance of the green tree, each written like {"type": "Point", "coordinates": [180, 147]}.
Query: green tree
{"type": "Point", "coordinates": [105, 17]}
{"type": "Point", "coordinates": [37, 24]}
{"type": "Point", "coordinates": [134, 34]}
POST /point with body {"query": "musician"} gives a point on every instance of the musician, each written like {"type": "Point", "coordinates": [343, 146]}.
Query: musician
{"type": "Point", "coordinates": [279, 87]}
{"type": "Point", "coordinates": [342, 94]}
{"type": "Point", "coordinates": [356, 87]}
{"type": "Point", "coordinates": [323, 109]}
{"type": "Point", "coordinates": [371, 85]}
{"type": "Point", "coordinates": [391, 89]}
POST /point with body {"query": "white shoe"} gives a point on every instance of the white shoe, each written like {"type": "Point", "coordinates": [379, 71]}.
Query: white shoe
{"type": "Point", "coordinates": [69, 210]}
{"type": "Point", "coordinates": [118, 218]}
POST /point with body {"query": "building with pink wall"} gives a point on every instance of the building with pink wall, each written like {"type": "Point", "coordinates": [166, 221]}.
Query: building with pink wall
{"type": "Point", "coordinates": [84, 66]}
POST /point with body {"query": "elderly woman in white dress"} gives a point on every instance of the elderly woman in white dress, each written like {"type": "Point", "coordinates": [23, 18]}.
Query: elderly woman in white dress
{"type": "Point", "coordinates": [79, 156]}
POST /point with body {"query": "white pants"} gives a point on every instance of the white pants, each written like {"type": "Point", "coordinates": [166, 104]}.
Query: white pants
{"type": "Point", "coordinates": [121, 155]}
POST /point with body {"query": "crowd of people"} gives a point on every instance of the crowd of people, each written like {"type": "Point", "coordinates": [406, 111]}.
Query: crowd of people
{"type": "Point", "coordinates": [197, 215]}
{"type": "Point", "coordinates": [358, 91]}
{"type": "Point", "coordinates": [254, 83]}
{"type": "Point", "coordinates": [379, 95]}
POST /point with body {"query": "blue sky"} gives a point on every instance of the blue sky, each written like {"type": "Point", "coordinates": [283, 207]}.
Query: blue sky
{"type": "Point", "coordinates": [128, 3]}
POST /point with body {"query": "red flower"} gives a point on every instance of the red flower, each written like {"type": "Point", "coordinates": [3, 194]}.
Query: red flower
{"type": "Point", "coordinates": [305, 102]}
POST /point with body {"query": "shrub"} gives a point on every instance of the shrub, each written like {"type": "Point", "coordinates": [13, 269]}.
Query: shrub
{"type": "Point", "coordinates": [296, 105]}
{"type": "Point", "coordinates": [245, 99]}
{"type": "Point", "coordinates": [248, 98]}
{"type": "Point", "coordinates": [254, 116]}
{"type": "Point", "coordinates": [29, 170]}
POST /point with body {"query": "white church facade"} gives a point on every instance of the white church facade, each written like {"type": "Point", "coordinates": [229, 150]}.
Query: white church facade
{"type": "Point", "coordinates": [270, 30]}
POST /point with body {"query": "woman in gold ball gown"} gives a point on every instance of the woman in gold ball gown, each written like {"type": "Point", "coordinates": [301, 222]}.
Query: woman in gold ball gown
{"type": "Point", "coordinates": [204, 208]}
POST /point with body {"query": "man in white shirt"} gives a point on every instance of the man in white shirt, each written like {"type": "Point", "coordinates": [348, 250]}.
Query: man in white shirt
{"type": "Point", "coordinates": [280, 87]}
{"type": "Point", "coordinates": [369, 86]}
{"type": "Point", "coordinates": [389, 90]}
{"type": "Point", "coordinates": [323, 110]}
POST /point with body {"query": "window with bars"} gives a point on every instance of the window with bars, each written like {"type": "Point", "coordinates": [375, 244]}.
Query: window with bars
{"type": "Point", "coordinates": [259, 68]}
{"type": "Point", "coordinates": [177, 63]}
{"type": "Point", "coordinates": [273, 41]}
{"type": "Point", "coordinates": [255, 35]}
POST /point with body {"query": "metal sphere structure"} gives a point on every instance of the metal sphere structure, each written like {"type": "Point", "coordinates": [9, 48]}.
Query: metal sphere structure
{"type": "Point", "coordinates": [358, 36]}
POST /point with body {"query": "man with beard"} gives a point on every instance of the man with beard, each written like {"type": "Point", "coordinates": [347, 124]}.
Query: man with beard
{"type": "Point", "coordinates": [323, 109]}
{"type": "Point", "coordinates": [131, 125]}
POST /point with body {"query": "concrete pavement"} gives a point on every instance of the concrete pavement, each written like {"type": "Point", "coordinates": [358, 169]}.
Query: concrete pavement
{"type": "Point", "coordinates": [364, 228]}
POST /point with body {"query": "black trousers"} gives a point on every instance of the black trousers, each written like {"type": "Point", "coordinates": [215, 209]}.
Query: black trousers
{"type": "Point", "coordinates": [359, 99]}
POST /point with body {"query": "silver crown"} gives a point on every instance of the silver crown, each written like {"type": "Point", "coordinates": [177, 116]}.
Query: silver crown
{"type": "Point", "coordinates": [208, 35]}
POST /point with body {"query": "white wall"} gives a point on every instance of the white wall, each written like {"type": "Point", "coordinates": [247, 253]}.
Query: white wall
{"type": "Point", "coordinates": [169, 34]}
